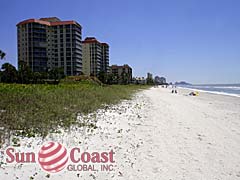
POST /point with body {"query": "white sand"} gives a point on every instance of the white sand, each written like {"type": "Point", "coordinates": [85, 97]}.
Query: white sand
{"type": "Point", "coordinates": [157, 135]}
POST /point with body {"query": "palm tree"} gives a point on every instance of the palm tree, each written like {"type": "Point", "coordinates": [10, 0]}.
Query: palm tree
{"type": "Point", "coordinates": [2, 54]}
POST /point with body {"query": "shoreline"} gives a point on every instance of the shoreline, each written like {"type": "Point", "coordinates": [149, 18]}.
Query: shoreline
{"type": "Point", "coordinates": [211, 92]}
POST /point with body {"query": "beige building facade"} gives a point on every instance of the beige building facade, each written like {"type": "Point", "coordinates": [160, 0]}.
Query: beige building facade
{"type": "Point", "coordinates": [95, 57]}
{"type": "Point", "coordinates": [121, 74]}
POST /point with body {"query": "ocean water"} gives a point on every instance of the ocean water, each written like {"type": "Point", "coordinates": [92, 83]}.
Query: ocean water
{"type": "Point", "coordinates": [224, 89]}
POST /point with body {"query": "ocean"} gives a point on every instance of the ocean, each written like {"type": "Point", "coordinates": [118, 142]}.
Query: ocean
{"type": "Point", "coordinates": [224, 89]}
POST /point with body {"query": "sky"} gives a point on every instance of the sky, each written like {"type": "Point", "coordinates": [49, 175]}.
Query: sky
{"type": "Point", "coordinates": [197, 41]}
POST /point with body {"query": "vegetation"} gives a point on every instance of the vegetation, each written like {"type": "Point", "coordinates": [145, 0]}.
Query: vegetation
{"type": "Point", "coordinates": [150, 81]}
{"type": "Point", "coordinates": [24, 75]}
{"type": "Point", "coordinates": [123, 79]}
{"type": "Point", "coordinates": [2, 54]}
{"type": "Point", "coordinates": [9, 73]}
{"type": "Point", "coordinates": [41, 108]}
{"type": "Point", "coordinates": [36, 103]}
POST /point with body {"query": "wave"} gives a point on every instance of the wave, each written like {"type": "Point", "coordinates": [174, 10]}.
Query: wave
{"type": "Point", "coordinates": [227, 87]}
{"type": "Point", "coordinates": [212, 92]}
{"type": "Point", "coordinates": [214, 87]}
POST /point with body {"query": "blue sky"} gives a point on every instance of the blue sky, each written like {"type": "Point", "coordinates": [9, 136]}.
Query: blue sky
{"type": "Point", "coordinates": [193, 40]}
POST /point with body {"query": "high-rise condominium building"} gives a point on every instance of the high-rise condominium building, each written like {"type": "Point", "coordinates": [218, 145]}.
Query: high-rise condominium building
{"type": "Point", "coordinates": [105, 58]}
{"type": "Point", "coordinates": [95, 57]}
{"type": "Point", "coordinates": [49, 43]}
{"type": "Point", "coordinates": [149, 76]}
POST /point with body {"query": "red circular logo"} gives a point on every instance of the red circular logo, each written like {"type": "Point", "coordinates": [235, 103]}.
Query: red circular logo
{"type": "Point", "coordinates": [53, 157]}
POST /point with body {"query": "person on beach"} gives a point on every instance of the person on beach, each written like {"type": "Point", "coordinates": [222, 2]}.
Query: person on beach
{"type": "Point", "coordinates": [174, 90]}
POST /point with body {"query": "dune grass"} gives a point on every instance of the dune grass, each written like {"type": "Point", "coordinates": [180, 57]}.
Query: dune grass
{"type": "Point", "coordinates": [39, 108]}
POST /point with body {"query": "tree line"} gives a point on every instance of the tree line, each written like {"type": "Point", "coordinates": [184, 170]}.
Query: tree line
{"type": "Point", "coordinates": [24, 75]}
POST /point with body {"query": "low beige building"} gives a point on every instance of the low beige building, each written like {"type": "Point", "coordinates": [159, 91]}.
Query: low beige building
{"type": "Point", "coordinates": [139, 80]}
{"type": "Point", "coordinates": [121, 74]}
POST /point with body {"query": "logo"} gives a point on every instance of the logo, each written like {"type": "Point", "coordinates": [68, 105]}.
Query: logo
{"type": "Point", "coordinates": [53, 157]}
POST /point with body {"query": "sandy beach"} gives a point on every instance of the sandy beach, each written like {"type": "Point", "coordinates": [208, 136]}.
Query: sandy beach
{"type": "Point", "coordinates": [156, 135]}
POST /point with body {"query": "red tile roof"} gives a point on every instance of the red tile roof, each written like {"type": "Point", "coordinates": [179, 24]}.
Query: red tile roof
{"type": "Point", "coordinates": [93, 40]}
{"type": "Point", "coordinates": [118, 67]}
{"type": "Point", "coordinates": [63, 23]}
{"type": "Point", "coordinates": [34, 20]}
{"type": "Point", "coordinates": [105, 44]}
{"type": "Point", "coordinates": [50, 19]}
{"type": "Point", "coordinates": [47, 22]}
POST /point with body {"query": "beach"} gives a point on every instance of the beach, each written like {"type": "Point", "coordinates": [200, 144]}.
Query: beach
{"type": "Point", "coordinates": [156, 135]}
